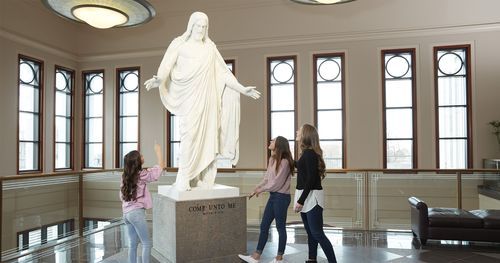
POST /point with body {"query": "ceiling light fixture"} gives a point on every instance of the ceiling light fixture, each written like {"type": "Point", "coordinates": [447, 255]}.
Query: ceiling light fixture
{"type": "Point", "coordinates": [99, 16]}
{"type": "Point", "coordinates": [103, 13]}
{"type": "Point", "coordinates": [322, 2]}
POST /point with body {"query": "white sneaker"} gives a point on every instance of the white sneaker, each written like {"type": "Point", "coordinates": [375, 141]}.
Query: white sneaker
{"type": "Point", "coordinates": [248, 259]}
{"type": "Point", "coordinates": [276, 261]}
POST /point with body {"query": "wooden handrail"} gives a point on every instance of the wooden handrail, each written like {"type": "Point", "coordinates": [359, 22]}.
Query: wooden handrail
{"type": "Point", "coordinates": [44, 175]}
{"type": "Point", "coordinates": [234, 170]}
{"type": "Point", "coordinates": [441, 171]}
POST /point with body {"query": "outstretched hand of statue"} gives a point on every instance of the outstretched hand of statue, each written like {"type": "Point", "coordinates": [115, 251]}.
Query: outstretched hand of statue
{"type": "Point", "coordinates": [152, 83]}
{"type": "Point", "coordinates": [251, 91]}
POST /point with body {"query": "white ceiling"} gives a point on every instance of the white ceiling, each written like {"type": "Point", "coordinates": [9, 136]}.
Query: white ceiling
{"type": "Point", "coordinates": [238, 22]}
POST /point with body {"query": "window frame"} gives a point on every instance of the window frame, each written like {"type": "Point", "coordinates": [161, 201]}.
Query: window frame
{"type": "Point", "coordinates": [117, 112]}
{"type": "Point", "coordinates": [95, 221]}
{"type": "Point", "coordinates": [41, 102]}
{"type": "Point", "coordinates": [43, 232]}
{"type": "Point", "coordinates": [268, 90]}
{"type": "Point", "coordinates": [468, 68]}
{"type": "Point", "coordinates": [169, 141]}
{"type": "Point", "coordinates": [343, 89]}
{"type": "Point", "coordinates": [83, 163]}
{"type": "Point", "coordinates": [414, 107]}
{"type": "Point", "coordinates": [72, 121]}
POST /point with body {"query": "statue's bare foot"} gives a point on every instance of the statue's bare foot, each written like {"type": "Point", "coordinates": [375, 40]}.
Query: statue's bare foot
{"type": "Point", "coordinates": [203, 185]}
{"type": "Point", "coordinates": [200, 184]}
{"type": "Point", "coordinates": [180, 189]}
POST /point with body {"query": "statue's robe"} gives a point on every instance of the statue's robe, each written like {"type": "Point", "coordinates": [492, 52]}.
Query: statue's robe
{"type": "Point", "coordinates": [208, 111]}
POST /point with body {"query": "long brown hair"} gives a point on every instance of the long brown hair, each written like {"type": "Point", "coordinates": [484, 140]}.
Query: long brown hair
{"type": "Point", "coordinates": [282, 151]}
{"type": "Point", "coordinates": [132, 167]}
{"type": "Point", "coordinates": [310, 140]}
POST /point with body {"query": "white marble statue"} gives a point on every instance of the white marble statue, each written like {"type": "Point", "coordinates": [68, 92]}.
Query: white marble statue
{"type": "Point", "coordinates": [196, 85]}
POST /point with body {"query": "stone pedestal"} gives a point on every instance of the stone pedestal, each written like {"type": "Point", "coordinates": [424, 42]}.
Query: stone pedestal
{"type": "Point", "coordinates": [199, 230]}
{"type": "Point", "coordinates": [197, 193]}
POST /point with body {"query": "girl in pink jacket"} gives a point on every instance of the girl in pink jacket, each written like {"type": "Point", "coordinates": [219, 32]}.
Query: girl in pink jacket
{"type": "Point", "coordinates": [136, 199]}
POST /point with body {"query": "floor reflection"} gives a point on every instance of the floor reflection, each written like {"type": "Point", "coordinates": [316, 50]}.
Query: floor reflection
{"type": "Point", "coordinates": [350, 246]}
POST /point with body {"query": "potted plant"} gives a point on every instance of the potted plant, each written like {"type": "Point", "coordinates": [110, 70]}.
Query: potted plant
{"type": "Point", "coordinates": [495, 129]}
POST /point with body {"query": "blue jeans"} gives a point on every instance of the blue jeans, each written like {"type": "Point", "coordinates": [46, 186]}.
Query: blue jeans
{"type": "Point", "coordinates": [313, 223]}
{"type": "Point", "coordinates": [276, 208]}
{"type": "Point", "coordinates": [137, 228]}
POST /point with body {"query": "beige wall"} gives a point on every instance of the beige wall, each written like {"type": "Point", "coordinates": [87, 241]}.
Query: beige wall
{"type": "Point", "coordinates": [250, 32]}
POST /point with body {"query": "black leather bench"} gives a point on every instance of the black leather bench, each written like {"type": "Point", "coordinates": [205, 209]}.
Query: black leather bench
{"type": "Point", "coordinates": [453, 223]}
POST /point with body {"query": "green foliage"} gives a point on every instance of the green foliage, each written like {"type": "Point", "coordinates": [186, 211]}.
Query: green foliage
{"type": "Point", "coordinates": [495, 129]}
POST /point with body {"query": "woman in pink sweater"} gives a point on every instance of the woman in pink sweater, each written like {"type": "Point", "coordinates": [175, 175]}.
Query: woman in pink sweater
{"type": "Point", "coordinates": [136, 199]}
{"type": "Point", "coordinates": [277, 182]}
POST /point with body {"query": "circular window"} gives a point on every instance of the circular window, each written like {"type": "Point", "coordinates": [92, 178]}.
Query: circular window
{"type": "Point", "coordinates": [61, 81]}
{"type": "Point", "coordinates": [329, 70]}
{"type": "Point", "coordinates": [130, 81]}
{"type": "Point", "coordinates": [282, 72]}
{"type": "Point", "coordinates": [450, 63]}
{"type": "Point", "coordinates": [26, 73]}
{"type": "Point", "coordinates": [397, 66]}
{"type": "Point", "coordinates": [95, 84]}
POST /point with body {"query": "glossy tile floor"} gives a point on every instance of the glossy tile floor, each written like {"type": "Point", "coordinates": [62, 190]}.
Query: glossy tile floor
{"type": "Point", "coordinates": [350, 247]}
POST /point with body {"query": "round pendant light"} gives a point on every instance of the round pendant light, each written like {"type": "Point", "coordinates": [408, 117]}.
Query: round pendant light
{"type": "Point", "coordinates": [103, 13]}
{"type": "Point", "coordinates": [100, 16]}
